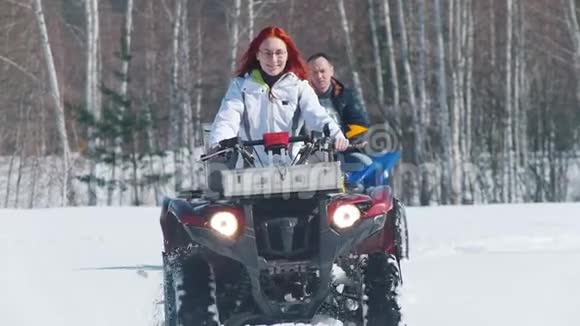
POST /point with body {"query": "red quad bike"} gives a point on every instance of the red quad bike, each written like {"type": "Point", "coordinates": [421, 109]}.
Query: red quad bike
{"type": "Point", "coordinates": [284, 242]}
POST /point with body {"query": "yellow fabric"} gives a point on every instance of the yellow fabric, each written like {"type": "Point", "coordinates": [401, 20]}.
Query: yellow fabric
{"type": "Point", "coordinates": [355, 130]}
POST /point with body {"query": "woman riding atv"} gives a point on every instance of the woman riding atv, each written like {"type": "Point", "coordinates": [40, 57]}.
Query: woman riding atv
{"type": "Point", "coordinates": [271, 94]}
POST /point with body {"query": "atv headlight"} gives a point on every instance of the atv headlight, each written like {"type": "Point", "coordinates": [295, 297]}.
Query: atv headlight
{"type": "Point", "coordinates": [225, 223]}
{"type": "Point", "coordinates": [345, 216]}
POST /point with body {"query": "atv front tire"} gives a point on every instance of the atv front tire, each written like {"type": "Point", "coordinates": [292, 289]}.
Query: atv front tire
{"type": "Point", "coordinates": [190, 293]}
{"type": "Point", "coordinates": [381, 280]}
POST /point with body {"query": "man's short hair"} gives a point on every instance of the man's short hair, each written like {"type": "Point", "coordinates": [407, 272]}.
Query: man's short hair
{"type": "Point", "coordinates": [319, 55]}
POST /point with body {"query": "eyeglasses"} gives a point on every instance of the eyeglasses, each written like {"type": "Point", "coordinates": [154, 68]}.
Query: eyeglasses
{"type": "Point", "coordinates": [277, 53]}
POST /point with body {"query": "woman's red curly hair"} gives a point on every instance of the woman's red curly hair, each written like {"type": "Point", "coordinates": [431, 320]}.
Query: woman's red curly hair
{"type": "Point", "coordinates": [295, 63]}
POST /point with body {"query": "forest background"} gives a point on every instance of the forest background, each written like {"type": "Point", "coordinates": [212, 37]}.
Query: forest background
{"type": "Point", "coordinates": [104, 102]}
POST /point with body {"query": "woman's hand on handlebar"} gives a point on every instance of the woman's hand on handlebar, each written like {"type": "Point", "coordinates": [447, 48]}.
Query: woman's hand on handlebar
{"type": "Point", "coordinates": [341, 144]}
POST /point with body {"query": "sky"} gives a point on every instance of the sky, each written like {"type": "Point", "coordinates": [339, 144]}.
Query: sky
{"type": "Point", "coordinates": [470, 265]}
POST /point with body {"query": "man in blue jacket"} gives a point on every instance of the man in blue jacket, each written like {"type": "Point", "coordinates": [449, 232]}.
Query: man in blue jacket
{"type": "Point", "coordinates": [343, 105]}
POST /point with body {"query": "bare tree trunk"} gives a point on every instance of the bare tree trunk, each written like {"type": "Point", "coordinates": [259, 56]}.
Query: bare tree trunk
{"type": "Point", "coordinates": [392, 62]}
{"type": "Point", "coordinates": [9, 179]}
{"type": "Point", "coordinates": [446, 144]}
{"type": "Point", "coordinates": [517, 109]}
{"type": "Point", "coordinates": [350, 52]}
{"type": "Point", "coordinates": [185, 89]}
{"type": "Point", "coordinates": [199, 79]}
{"type": "Point", "coordinates": [469, 54]}
{"type": "Point", "coordinates": [235, 33]}
{"type": "Point", "coordinates": [40, 152]}
{"type": "Point", "coordinates": [127, 38]}
{"type": "Point", "coordinates": [496, 125]}
{"type": "Point", "coordinates": [376, 55]}
{"type": "Point", "coordinates": [176, 113]}
{"type": "Point", "coordinates": [452, 30]}
{"type": "Point", "coordinates": [291, 15]}
{"type": "Point", "coordinates": [422, 108]}
{"type": "Point", "coordinates": [116, 167]}
{"type": "Point", "coordinates": [92, 91]}
{"type": "Point", "coordinates": [58, 105]}
{"type": "Point", "coordinates": [251, 19]}
{"type": "Point", "coordinates": [422, 66]}
{"type": "Point", "coordinates": [150, 100]}
{"type": "Point", "coordinates": [417, 126]}
{"type": "Point", "coordinates": [574, 29]}
{"type": "Point", "coordinates": [22, 159]}
{"type": "Point", "coordinates": [508, 177]}
{"type": "Point", "coordinates": [34, 180]}
{"type": "Point", "coordinates": [43, 149]}
{"type": "Point", "coordinates": [457, 71]}
{"type": "Point", "coordinates": [492, 32]}
{"type": "Point", "coordinates": [405, 58]}
{"type": "Point", "coordinates": [11, 165]}
{"type": "Point", "coordinates": [524, 101]}
{"type": "Point", "coordinates": [453, 44]}
{"type": "Point", "coordinates": [198, 96]}
{"type": "Point", "coordinates": [186, 80]}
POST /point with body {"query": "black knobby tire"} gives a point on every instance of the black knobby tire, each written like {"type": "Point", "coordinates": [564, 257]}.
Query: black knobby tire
{"type": "Point", "coordinates": [381, 280]}
{"type": "Point", "coordinates": [399, 217]}
{"type": "Point", "coordinates": [169, 293]}
{"type": "Point", "coordinates": [195, 294]}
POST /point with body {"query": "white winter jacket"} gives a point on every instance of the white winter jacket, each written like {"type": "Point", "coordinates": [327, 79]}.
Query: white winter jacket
{"type": "Point", "coordinates": [248, 110]}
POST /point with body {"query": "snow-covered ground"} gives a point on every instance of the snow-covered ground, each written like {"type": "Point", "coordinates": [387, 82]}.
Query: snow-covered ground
{"type": "Point", "coordinates": [478, 265]}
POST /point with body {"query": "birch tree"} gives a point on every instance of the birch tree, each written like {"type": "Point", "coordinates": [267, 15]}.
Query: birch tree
{"type": "Point", "coordinates": [123, 94]}
{"type": "Point", "coordinates": [198, 76]}
{"type": "Point", "coordinates": [197, 175]}
{"type": "Point", "coordinates": [57, 102]}
{"type": "Point", "coordinates": [127, 54]}
{"type": "Point", "coordinates": [495, 125]}
{"type": "Point", "coordinates": [181, 117]}
{"type": "Point", "coordinates": [92, 89]}
{"type": "Point", "coordinates": [457, 46]}
{"type": "Point", "coordinates": [524, 87]}
{"type": "Point", "coordinates": [251, 19]}
{"type": "Point", "coordinates": [445, 132]}
{"type": "Point", "coordinates": [151, 76]}
{"type": "Point", "coordinates": [350, 52]}
{"type": "Point", "coordinates": [391, 54]}
{"type": "Point", "coordinates": [508, 175]}
{"type": "Point", "coordinates": [468, 134]}
{"type": "Point", "coordinates": [376, 55]}
{"type": "Point", "coordinates": [22, 155]}
{"type": "Point", "coordinates": [185, 90]}
{"type": "Point", "coordinates": [13, 157]}
{"type": "Point", "coordinates": [571, 14]}
{"type": "Point", "coordinates": [127, 38]}
{"type": "Point", "coordinates": [422, 106]}
{"type": "Point", "coordinates": [234, 28]}
{"type": "Point", "coordinates": [519, 109]}
{"type": "Point", "coordinates": [175, 117]}
{"type": "Point", "coordinates": [411, 98]}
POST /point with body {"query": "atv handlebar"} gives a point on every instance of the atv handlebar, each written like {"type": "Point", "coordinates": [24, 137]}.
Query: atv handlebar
{"type": "Point", "coordinates": [317, 141]}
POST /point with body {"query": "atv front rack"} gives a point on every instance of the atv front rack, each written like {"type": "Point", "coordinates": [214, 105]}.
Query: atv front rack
{"type": "Point", "coordinates": [326, 176]}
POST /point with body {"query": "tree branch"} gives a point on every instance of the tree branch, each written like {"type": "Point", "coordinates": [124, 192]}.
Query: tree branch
{"type": "Point", "coordinates": [19, 3]}
{"type": "Point", "coordinates": [19, 67]}
{"type": "Point", "coordinates": [167, 11]}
